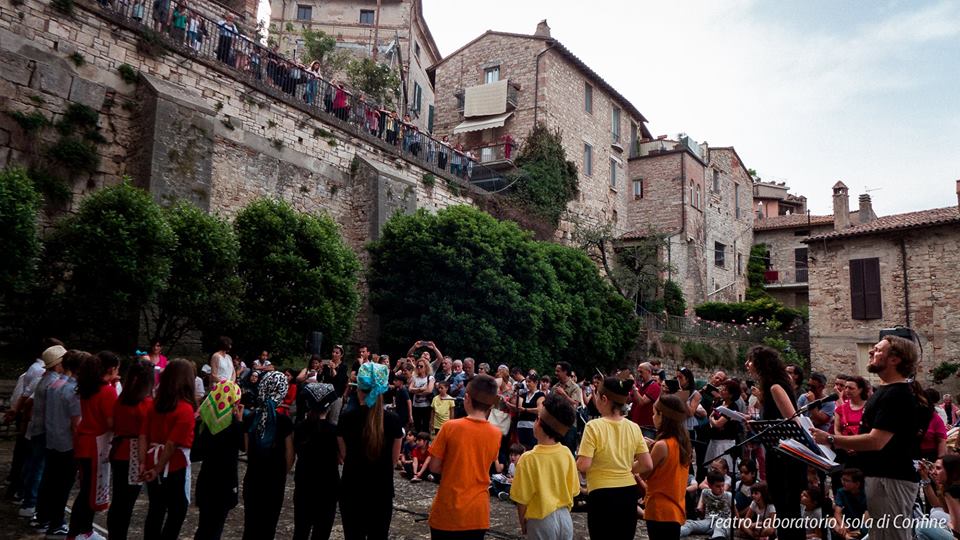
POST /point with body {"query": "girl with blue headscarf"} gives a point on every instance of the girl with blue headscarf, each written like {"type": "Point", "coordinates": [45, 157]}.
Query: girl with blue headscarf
{"type": "Point", "coordinates": [369, 439]}
{"type": "Point", "coordinates": [270, 457]}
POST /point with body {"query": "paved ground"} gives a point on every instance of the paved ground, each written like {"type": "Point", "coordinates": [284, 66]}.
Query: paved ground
{"type": "Point", "coordinates": [411, 505]}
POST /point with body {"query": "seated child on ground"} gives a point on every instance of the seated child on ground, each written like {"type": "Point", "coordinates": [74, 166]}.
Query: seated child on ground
{"type": "Point", "coordinates": [850, 505]}
{"type": "Point", "coordinates": [719, 466]}
{"type": "Point", "coordinates": [810, 501]}
{"type": "Point", "coordinates": [419, 458]}
{"type": "Point", "coordinates": [501, 481]}
{"type": "Point", "coordinates": [759, 513]}
{"type": "Point", "coordinates": [406, 449]}
{"type": "Point", "coordinates": [714, 503]}
{"type": "Point", "coordinates": [748, 478]}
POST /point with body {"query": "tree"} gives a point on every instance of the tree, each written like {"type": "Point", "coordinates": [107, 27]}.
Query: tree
{"type": "Point", "coordinates": [321, 47]}
{"type": "Point", "coordinates": [673, 299]}
{"type": "Point", "coordinates": [374, 79]}
{"type": "Point", "coordinates": [105, 263]}
{"type": "Point", "coordinates": [19, 242]}
{"type": "Point", "coordinates": [547, 180]}
{"type": "Point", "coordinates": [203, 289]}
{"type": "Point", "coordinates": [483, 287]}
{"type": "Point", "coordinates": [298, 276]}
{"type": "Point", "coordinates": [756, 267]}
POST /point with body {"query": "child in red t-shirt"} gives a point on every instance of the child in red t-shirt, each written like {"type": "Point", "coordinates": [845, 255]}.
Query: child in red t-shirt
{"type": "Point", "coordinates": [416, 468]}
{"type": "Point", "coordinates": [165, 441]}
{"type": "Point", "coordinates": [91, 444]}
{"type": "Point", "coordinates": [129, 413]}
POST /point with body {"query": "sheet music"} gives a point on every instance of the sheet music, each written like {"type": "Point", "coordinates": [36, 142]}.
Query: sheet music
{"type": "Point", "coordinates": [825, 451]}
{"type": "Point", "coordinates": [731, 414]}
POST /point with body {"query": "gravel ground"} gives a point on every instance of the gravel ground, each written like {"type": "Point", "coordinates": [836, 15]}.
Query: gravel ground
{"type": "Point", "coordinates": [411, 506]}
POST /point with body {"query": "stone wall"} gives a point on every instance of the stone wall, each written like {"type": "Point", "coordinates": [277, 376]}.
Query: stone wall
{"type": "Point", "coordinates": [840, 343]}
{"type": "Point", "coordinates": [196, 129]}
{"type": "Point", "coordinates": [727, 225]}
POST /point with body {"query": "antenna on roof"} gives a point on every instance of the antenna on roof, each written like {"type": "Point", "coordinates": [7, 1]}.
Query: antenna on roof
{"type": "Point", "coordinates": [867, 189]}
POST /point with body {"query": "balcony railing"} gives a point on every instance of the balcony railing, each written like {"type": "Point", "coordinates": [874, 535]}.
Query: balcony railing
{"type": "Point", "coordinates": [774, 277]}
{"type": "Point", "coordinates": [496, 153]}
{"type": "Point", "coordinates": [277, 76]}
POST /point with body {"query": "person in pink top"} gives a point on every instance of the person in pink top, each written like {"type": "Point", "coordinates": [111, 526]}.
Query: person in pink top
{"type": "Point", "coordinates": [934, 443]}
{"type": "Point", "coordinates": [846, 421]}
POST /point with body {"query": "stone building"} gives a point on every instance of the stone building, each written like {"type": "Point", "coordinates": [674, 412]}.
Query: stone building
{"type": "Point", "coordinates": [502, 84]}
{"type": "Point", "coordinates": [401, 34]}
{"type": "Point", "coordinates": [701, 198]}
{"type": "Point", "coordinates": [883, 272]}
{"type": "Point", "coordinates": [784, 228]}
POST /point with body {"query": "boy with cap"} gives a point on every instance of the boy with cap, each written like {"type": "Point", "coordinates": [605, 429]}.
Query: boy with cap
{"type": "Point", "coordinates": [36, 430]}
{"type": "Point", "coordinates": [462, 453]}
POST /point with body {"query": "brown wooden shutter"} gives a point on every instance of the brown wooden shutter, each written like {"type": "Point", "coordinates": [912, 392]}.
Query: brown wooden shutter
{"type": "Point", "coordinates": [873, 306]}
{"type": "Point", "coordinates": [856, 289]}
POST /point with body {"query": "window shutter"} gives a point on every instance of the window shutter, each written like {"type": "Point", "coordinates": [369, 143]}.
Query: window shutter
{"type": "Point", "coordinates": [856, 289]}
{"type": "Point", "coordinates": [873, 306]}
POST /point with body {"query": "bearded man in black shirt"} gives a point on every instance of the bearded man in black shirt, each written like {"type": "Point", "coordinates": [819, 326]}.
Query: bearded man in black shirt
{"type": "Point", "coordinates": [893, 423]}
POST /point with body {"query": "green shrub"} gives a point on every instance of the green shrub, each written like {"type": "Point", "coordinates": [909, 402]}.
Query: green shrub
{"type": "Point", "coordinates": [75, 154]}
{"type": "Point", "coordinates": [128, 74]}
{"type": "Point", "coordinates": [753, 311]}
{"type": "Point", "coordinates": [547, 181]}
{"type": "Point", "coordinates": [31, 122]}
{"type": "Point", "coordinates": [429, 179]}
{"type": "Point", "coordinates": [19, 242]}
{"type": "Point", "coordinates": [673, 300]}
{"type": "Point", "coordinates": [78, 59]}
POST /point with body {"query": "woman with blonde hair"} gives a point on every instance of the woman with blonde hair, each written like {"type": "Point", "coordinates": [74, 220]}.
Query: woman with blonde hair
{"type": "Point", "coordinates": [421, 392]}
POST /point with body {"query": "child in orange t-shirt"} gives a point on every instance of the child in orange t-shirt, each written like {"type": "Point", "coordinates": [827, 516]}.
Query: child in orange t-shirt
{"type": "Point", "coordinates": [462, 453]}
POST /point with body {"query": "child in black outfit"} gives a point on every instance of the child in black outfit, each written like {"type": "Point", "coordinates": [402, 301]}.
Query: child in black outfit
{"type": "Point", "coordinates": [317, 477]}
{"type": "Point", "coordinates": [218, 446]}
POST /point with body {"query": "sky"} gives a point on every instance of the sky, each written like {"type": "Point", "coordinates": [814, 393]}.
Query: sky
{"type": "Point", "coordinates": [809, 92]}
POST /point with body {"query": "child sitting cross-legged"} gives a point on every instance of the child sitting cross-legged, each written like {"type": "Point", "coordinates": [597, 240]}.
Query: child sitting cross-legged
{"type": "Point", "coordinates": [810, 501]}
{"type": "Point", "coordinates": [760, 515]}
{"type": "Point", "coordinates": [850, 505]}
{"type": "Point", "coordinates": [500, 481]}
{"type": "Point", "coordinates": [546, 478]}
{"type": "Point", "coordinates": [416, 468]}
{"type": "Point", "coordinates": [714, 504]}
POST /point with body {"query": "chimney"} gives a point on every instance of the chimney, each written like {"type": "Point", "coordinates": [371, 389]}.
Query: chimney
{"type": "Point", "coordinates": [866, 210]}
{"type": "Point", "coordinates": [841, 206]}
{"type": "Point", "coordinates": [543, 29]}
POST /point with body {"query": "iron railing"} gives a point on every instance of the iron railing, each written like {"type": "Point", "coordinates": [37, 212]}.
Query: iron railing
{"type": "Point", "coordinates": [193, 34]}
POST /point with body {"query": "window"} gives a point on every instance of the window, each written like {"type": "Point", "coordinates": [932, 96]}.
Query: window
{"type": "Point", "coordinates": [417, 96]}
{"type": "Point", "coordinates": [366, 16]}
{"type": "Point", "coordinates": [800, 264]}
{"type": "Point", "coordinates": [430, 114]}
{"type": "Point", "coordinates": [802, 232]}
{"type": "Point", "coordinates": [716, 180]}
{"type": "Point", "coordinates": [638, 188]}
{"type": "Point", "coordinates": [587, 160]}
{"type": "Point", "coordinates": [739, 263]}
{"type": "Point", "coordinates": [736, 200]}
{"type": "Point", "coordinates": [718, 254]}
{"type": "Point", "coordinates": [613, 173]}
{"type": "Point", "coordinates": [587, 98]}
{"type": "Point", "coordinates": [615, 124]}
{"type": "Point", "coordinates": [491, 75]}
{"type": "Point", "coordinates": [692, 200]}
{"type": "Point", "coordinates": [865, 301]}
{"type": "Point", "coordinates": [634, 149]}
{"type": "Point", "coordinates": [304, 13]}
{"type": "Point", "coordinates": [416, 50]}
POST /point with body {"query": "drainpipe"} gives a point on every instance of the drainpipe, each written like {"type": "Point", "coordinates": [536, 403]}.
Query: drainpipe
{"type": "Point", "coordinates": [536, 83]}
{"type": "Point", "coordinates": [906, 288]}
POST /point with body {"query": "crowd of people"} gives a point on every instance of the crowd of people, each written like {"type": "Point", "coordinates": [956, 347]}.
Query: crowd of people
{"type": "Point", "coordinates": [632, 445]}
{"type": "Point", "coordinates": [224, 41]}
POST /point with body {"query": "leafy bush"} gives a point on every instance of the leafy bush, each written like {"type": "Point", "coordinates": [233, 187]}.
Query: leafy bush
{"type": "Point", "coordinates": [128, 74]}
{"type": "Point", "coordinates": [374, 79]}
{"type": "Point", "coordinates": [31, 122]}
{"type": "Point", "coordinates": [203, 289]}
{"type": "Point", "coordinates": [19, 242]}
{"type": "Point", "coordinates": [105, 263]}
{"type": "Point", "coordinates": [429, 179]}
{"type": "Point", "coordinates": [673, 300]}
{"type": "Point", "coordinates": [482, 287]}
{"type": "Point", "coordinates": [75, 154]}
{"type": "Point", "coordinates": [709, 356]}
{"type": "Point", "coordinates": [547, 180]}
{"type": "Point", "coordinates": [298, 276]}
{"type": "Point", "coordinates": [759, 310]}
{"type": "Point", "coordinates": [756, 267]}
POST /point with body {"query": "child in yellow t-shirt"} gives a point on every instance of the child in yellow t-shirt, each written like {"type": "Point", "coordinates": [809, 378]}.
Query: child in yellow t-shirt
{"type": "Point", "coordinates": [546, 478]}
{"type": "Point", "coordinates": [442, 404]}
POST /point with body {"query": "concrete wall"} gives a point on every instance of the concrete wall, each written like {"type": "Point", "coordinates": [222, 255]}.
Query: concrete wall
{"type": "Point", "coordinates": [839, 343]}
{"type": "Point", "coordinates": [198, 130]}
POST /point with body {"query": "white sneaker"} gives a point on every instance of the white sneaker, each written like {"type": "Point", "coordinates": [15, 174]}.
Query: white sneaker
{"type": "Point", "coordinates": [27, 512]}
{"type": "Point", "coordinates": [93, 535]}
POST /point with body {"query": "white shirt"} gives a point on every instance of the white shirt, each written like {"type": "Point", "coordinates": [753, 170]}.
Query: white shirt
{"type": "Point", "coordinates": [222, 364]}
{"type": "Point", "coordinates": [27, 381]}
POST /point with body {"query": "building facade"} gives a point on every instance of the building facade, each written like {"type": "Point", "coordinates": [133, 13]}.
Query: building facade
{"type": "Point", "coordinates": [880, 273]}
{"type": "Point", "coordinates": [401, 33]}
{"type": "Point", "coordinates": [701, 198]}
{"type": "Point", "coordinates": [493, 90]}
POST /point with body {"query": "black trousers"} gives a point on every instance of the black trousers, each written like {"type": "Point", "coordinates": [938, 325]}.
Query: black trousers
{"type": "Point", "coordinates": [786, 478]}
{"type": "Point", "coordinates": [313, 511]}
{"type": "Point", "coordinates": [81, 517]}
{"type": "Point", "coordinates": [365, 519]}
{"type": "Point", "coordinates": [265, 493]}
{"type": "Point", "coordinates": [663, 529]}
{"type": "Point", "coordinates": [20, 452]}
{"type": "Point", "coordinates": [168, 507]}
{"type": "Point", "coordinates": [612, 513]}
{"type": "Point", "coordinates": [121, 501]}
{"type": "Point", "coordinates": [421, 419]}
{"type": "Point", "coordinates": [210, 524]}
{"type": "Point", "coordinates": [58, 477]}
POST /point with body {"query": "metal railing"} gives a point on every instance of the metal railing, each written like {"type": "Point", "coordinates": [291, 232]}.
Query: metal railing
{"type": "Point", "coordinates": [193, 34]}
{"type": "Point", "coordinates": [499, 152]}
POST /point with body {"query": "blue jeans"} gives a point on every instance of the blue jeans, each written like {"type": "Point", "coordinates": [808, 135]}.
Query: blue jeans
{"type": "Point", "coordinates": [33, 470]}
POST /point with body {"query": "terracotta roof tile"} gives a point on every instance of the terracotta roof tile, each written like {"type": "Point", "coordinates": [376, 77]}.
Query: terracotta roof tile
{"type": "Point", "coordinates": [897, 222]}
{"type": "Point", "coordinates": [789, 222]}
